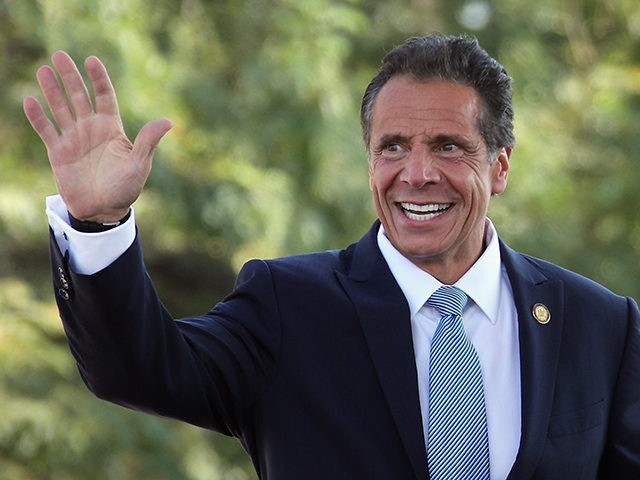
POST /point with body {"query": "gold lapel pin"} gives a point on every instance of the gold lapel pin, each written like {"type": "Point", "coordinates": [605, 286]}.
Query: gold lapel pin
{"type": "Point", "coordinates": [541, 313]}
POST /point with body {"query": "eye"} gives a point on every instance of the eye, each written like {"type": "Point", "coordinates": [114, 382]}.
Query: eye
{"type": "Point", "coordinates": [449, 151]}
{"type": "Point", "coordinates": [393, 148]}
{"type": "Point", "coordinates": [449, 147]}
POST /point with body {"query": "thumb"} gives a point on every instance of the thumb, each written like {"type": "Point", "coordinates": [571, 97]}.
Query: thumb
{"type": "Point", "coordinates": [149, 137]}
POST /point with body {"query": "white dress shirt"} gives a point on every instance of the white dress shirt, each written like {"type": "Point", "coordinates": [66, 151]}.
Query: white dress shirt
{"type": "Point", "coordinates": [88, 252]}
{"type": "Point", "coordinates": [490, 322]}
{"type": "Point", "coordinates": [489, 319]}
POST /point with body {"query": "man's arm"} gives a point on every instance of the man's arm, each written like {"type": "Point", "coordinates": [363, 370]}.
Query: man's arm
{"type": "Point", "coordinates": [205, 370]}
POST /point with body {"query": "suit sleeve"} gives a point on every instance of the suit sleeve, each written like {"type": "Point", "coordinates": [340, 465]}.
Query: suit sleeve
{"type": "Point", "coordinates": [204, 370]}
{"type": "Point", "coordinates": [621, 458]}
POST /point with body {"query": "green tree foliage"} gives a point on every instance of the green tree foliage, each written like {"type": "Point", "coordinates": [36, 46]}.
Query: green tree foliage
{"type": "Point", "coordinates": [265, 159]}
{"type": "Point", "coordinates": [574, 196]}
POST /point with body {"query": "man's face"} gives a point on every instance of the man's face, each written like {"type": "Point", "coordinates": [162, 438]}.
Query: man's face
{"type": "Point", "coordinates": [430, 173]}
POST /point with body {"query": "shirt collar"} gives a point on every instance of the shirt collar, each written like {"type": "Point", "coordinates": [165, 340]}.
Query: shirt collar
{"type": "Point", "coordinates": [481, 282]}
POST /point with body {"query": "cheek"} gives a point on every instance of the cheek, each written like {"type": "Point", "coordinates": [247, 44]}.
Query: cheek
{"type": "Point", "coordinates": [480, 198]}
{"type": "Point", "coordinates": [378, 178]}
{"type": "Point", "coordinates": [475, 191]}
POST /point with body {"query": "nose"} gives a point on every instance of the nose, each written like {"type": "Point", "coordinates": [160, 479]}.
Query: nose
{"type": "Point", "coordinates": [420, 169]}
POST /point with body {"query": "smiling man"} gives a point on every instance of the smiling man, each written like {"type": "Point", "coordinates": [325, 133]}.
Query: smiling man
{"type": "Point", "coordinates": [428, 349]}
{"type": "Point", "coordinates": [432, 173]}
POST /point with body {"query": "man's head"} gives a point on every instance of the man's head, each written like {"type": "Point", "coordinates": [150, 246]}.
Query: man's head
{"type": "Point", "coordinates": [454, 59]}
{"type": "Point", "coordinates": [438, 125]}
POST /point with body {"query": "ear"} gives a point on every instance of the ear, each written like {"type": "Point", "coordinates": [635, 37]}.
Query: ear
{"type": "Point", "coordinates": [501, 170]}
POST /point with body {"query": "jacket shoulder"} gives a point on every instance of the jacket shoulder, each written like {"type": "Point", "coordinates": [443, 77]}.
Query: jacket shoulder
{"type": "Point", "coordinates": [574, 283]}
{"type": "Point", "coordinates": [303, 267]}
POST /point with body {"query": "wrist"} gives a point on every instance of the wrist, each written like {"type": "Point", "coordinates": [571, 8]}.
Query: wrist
{"type": "Point", "coordinates": [88, 226]}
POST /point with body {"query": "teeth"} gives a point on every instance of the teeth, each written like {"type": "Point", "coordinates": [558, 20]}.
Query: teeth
{"type": "Point", "coordinates": [430, 208]}
{"type": "Point", "coordinates": [424, 212]}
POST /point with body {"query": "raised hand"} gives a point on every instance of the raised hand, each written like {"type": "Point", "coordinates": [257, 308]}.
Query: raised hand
{"type": "Point", "coordinates": [98, 170]}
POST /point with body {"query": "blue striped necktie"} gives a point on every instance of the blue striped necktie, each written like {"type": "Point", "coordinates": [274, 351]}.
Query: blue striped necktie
{"type": "Point", "coordinates": [457, 441]}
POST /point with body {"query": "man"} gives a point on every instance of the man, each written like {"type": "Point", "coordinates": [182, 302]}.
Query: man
{"type": "Point", "coordinates": [328, 365]}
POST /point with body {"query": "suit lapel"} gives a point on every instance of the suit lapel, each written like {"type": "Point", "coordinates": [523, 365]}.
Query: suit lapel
{"type": "Point", "coordinates": [384, 316]}
{"type": "Point", "coordinates": [539, 353]}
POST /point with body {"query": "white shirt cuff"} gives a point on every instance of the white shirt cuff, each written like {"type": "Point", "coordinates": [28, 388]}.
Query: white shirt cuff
{"type": "Point", "coordinates": [88, 252]}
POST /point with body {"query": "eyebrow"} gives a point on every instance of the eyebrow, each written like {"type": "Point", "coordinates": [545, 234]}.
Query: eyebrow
{"type": "Point", "coordinates": [450, 138]}
{"type": "Point", "coordinates": [440, 139]}
{"type": "Point", "coordinates": [393, 138]}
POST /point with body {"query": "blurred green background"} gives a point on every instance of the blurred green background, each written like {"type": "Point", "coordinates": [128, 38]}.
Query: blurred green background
{"type": "Point", "coordinates": [265, 159]}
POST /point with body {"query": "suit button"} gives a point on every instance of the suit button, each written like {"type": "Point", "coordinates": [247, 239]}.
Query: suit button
{"type": "Point", "coordinates": [62, 278]}
{"type": "Point", "coordinates": [63, 293]}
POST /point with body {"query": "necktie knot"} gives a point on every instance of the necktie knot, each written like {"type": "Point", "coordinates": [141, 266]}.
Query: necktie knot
{"type": "Point", "coordinates": [448, 300]}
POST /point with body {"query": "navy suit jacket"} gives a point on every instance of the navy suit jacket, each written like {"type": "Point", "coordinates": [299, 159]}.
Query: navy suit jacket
{"type": "Point", "coordinates": [309, 362]}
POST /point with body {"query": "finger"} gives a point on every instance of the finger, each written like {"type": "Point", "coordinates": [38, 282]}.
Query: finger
{"type": "Point", "coordinates": [55, 97]}
{"type": "Point", "coordinates": [105, 94]}
{"type": "Point", "coordinates": [40, 122]}
{"type": "Point", "coordinates": [73, 84]}
{"type": "Point", "coordinates": [149, 137]}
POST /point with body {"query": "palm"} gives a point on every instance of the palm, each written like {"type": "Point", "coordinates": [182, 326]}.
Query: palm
{"type": "Point", "coordinates": [92, 165]}
{"type": "Point", "coordinates": [98, 170]}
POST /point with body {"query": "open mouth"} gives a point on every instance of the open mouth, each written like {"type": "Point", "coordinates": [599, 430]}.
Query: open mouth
{"type": "Point", "coordinates": [424, 212]}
